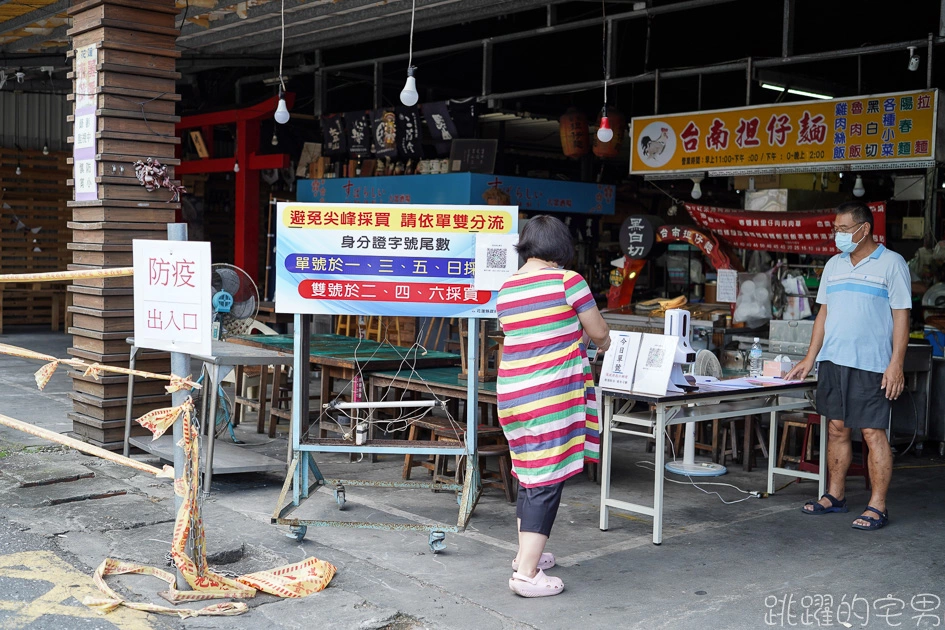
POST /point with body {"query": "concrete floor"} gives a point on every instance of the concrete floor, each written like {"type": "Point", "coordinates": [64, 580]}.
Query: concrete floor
{"type": "Point", "coordinates": [756, 563]}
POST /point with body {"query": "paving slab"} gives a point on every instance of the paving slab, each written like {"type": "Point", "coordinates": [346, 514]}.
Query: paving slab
{"type": "Point", "coordinates": [59, 493]}
{"type": "Point", "coordinates": [30, 469]}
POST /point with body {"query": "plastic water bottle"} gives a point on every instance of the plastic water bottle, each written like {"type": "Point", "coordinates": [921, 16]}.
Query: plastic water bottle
{"type": "Point", "coordinates": [754, 358]}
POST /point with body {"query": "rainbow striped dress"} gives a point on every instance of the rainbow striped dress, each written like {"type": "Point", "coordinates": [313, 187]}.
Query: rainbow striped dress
{"type": "Point", "coordinates": [545, 386]}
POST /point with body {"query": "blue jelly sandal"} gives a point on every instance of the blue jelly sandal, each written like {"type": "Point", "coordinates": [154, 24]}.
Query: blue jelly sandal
{"type": "Point", "coordinates": [835, 506]}
{"type": "Point", "coordinates": [874, 523]}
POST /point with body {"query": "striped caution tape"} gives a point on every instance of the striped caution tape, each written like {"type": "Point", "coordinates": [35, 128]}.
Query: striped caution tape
{"type": "Point", "coordinates": [95, 370]}
{"type": "Point", "coordinates": [294, 580]}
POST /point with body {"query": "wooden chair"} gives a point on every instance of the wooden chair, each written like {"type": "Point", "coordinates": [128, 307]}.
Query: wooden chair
{"type": "Point", "coordinates": [248, 381]}
{"type": "Point", "coordinates": [377, 331]}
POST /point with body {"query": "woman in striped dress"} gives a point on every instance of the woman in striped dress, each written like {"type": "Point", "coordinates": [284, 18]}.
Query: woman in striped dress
{"type": "Point", "coordinates": [545, 400]}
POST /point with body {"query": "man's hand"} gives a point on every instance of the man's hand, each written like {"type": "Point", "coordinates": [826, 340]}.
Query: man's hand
{"type": "Point", "coordinates": [893, 381]}
{"type": "Point", "coordinates": [801, 370]}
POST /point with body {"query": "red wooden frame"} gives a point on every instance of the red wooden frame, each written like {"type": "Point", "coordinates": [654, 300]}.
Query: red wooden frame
{"type": "Point", "coordinates": [247, 121]}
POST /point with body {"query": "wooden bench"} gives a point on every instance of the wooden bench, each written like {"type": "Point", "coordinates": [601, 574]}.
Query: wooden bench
{"type": "Point", "coordinates": [59, 301]}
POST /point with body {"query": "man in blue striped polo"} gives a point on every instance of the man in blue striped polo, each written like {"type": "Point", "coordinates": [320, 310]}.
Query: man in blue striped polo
{"type": "Point", "coordinates": [859, 343]}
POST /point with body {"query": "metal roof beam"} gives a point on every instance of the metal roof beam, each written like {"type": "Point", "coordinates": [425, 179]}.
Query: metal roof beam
{"type": "Point", "coordinates": [32, 17]}
{"type": "Point", "coordinates": [338, 33]}
{"type": "Point", "coordinates": [25, 43]}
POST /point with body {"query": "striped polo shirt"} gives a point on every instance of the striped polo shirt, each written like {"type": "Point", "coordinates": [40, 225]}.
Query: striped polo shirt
{"type": "Point", "coordinates": [859, 301]}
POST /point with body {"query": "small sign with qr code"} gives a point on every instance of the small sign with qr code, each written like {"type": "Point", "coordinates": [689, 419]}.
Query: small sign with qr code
{"type": "Point", "coordinates": [496, 260]}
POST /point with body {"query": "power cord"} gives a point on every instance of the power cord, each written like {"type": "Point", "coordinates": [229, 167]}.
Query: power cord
{"type": "Point", "coordinates": [752, 494]}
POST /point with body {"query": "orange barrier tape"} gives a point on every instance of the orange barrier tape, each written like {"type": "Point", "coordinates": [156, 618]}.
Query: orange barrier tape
{"type": "Point", "coordinates": [59, 276]}
{"type": "Point", "coordinates": [94, 370]}
{"type": "Point", "coordinates": [294, 580]}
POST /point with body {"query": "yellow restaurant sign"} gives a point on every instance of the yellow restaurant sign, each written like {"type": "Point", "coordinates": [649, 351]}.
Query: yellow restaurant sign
{"type": "Point", "coordinates": [865, 132]}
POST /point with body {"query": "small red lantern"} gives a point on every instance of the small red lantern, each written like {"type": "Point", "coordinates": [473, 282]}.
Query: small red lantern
{"type": "Point", "coordinates": [575, 140]}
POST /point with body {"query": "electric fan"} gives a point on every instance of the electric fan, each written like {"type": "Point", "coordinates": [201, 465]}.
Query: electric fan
{"type": "Point", "coordinates": [707, 364]}
{"type": "Point", "coordinates": [235, 300]}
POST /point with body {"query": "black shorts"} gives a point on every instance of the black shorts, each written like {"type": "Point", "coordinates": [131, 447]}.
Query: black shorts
{"type": "Point", "coordinates": [852, 395]}
{"type": "Point", "coordinates": [538, 507]}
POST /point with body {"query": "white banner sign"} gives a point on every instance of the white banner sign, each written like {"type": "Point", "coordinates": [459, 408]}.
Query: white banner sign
{"type": "Point", "coordinates": [172, 296]}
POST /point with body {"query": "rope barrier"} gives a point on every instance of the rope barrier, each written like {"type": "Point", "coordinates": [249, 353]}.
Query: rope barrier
{"type": "Point", "coordinates": [60, 276]}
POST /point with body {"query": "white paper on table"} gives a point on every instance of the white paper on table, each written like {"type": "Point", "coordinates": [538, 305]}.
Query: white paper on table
{"type": "Point", "coordinates": [654, 364]}
{"type": "Point", "coordinates": [620, 360]}
{"type": "Point", "coordinates": [726, 285]}
{"type": "Point", "coordinates": [496, 260]}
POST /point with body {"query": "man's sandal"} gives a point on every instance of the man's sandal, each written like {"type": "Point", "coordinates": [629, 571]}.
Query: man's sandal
{"type": "Point", "coordinates": [546, 561]}
{"type": "Point", "coordinates": [835, 506]}
{"type": "Point", "coordinates": [539, 586]}
{"type": "Point", "coordinates": [874, 523]}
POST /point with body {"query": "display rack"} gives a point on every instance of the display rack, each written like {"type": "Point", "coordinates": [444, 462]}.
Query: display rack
{"type": "Point", "coordinates": [303, 468]}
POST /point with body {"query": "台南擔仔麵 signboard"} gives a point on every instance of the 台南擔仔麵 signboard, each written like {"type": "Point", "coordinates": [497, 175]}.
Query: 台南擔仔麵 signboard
{"type": "Point", "coordinates": [388, 259]}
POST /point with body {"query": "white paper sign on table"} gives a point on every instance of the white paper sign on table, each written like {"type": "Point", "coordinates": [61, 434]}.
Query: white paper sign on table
{"type": "Point", "coordinates": [496, 260]}
{"type": "Point", "coordinates": [619, 362]}
{"type": "Point", "coordinates": [727, 285]}
{"type": "Point", "coordinates": [654, 364]}
{"type": "Point", "coordinates": [172, 296]}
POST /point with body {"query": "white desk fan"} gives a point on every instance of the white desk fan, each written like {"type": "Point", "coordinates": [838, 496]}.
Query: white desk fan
{"type": "Point", "coordinates": [707, 364]}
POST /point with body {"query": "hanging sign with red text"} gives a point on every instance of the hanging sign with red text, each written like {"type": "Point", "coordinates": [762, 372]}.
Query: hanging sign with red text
{"type": "Point", "coordinates": [862, 132]}
{"type": "Point", "coordinates": [387, 259]}
{"type": "Point", "coordinates": [172, 296]}
{"type": "Point", "coordinates": [802, 232]}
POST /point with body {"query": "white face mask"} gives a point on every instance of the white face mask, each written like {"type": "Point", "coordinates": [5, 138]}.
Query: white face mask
{"type": "Point", "coordinates": [844, 240]}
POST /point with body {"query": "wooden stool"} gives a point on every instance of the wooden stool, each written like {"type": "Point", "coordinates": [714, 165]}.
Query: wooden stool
{"type": "Point", "coordinates": [809, 464]}
{"type": "Point", "coordinates": [503, 478]}
{"type": "Point", "coordinates": [730, 436]}
{"type": "Point", "coordinates": [788, 431]}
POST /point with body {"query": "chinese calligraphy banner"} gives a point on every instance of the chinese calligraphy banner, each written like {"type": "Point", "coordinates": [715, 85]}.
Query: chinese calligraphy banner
{"type": "Point", "coordinates": [85, 125]}
{"type": "Point", "coordinates": [386, 259]}
{"type": "Point", "coordinates": [359, 127]}
{"type": "Point", "coordinates": [172, 296]}
{"type": "Point", "coordinates": [882, 131]}
{"type": "Point", "coordinates": [807, 232]}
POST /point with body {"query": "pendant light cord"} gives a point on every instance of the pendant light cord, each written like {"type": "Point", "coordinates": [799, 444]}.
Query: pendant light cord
{"type": "Point", "coordinates": [603, 46]}
{"type": "Point", "coordinates": [282, 52]}
{"type": "Point", "coordinates": [413, 11]}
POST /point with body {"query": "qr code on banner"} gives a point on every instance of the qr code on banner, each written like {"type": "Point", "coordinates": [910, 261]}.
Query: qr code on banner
{"type": "Point", "coordinates": [654, 358]}
{"type": "Point", "coordinates": [495, 258]}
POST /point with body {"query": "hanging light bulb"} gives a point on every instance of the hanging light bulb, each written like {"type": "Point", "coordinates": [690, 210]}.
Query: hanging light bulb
{"type": "Point", "coordinates": [275, 139]}
{"type": "Point", "coordinates": [696, 187]}
{"type": "Point", "coordinates": [46, 149]}
{"type": "Point", "coordinates": [19, 170]}
{"type": "Point", "coordinates": [282, 112]}
{"type": "Point", "coordinates": [858, 189]}
{"type": "Point", "coordinates": [605, 133]}
{"type": "Point", "coordinates": [409, 95]}
{"type": "Point", "coordinates": [236, 166]}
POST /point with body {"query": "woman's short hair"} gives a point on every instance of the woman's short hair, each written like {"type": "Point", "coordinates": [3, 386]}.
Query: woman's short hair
{"type": "Point", "coordinates": [546, 238]}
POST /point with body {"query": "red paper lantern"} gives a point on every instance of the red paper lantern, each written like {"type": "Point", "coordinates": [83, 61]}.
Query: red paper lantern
{"type": "Point", "coordinates": [575, 139]}
{"type": "Point", "coordinates": [619, 126]}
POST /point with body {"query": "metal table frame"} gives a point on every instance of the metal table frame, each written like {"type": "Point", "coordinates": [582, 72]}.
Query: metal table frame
{"type": "Point", "coordinates": [303, 462]}
{"type": "Point", "coordinates": [696, 407]}
{"type": "Point", "coordinates": [223, 355]}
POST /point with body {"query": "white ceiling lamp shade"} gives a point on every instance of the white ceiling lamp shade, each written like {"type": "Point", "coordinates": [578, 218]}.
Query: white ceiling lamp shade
{"type": "Point", "coordinates": [696, 188]}
{"type": "Point", "coordinates": [409, 95]}
{"type": "Point", "coordinates": [282, 112]}
{"type": "Point", "coordinates": [858, 188]}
